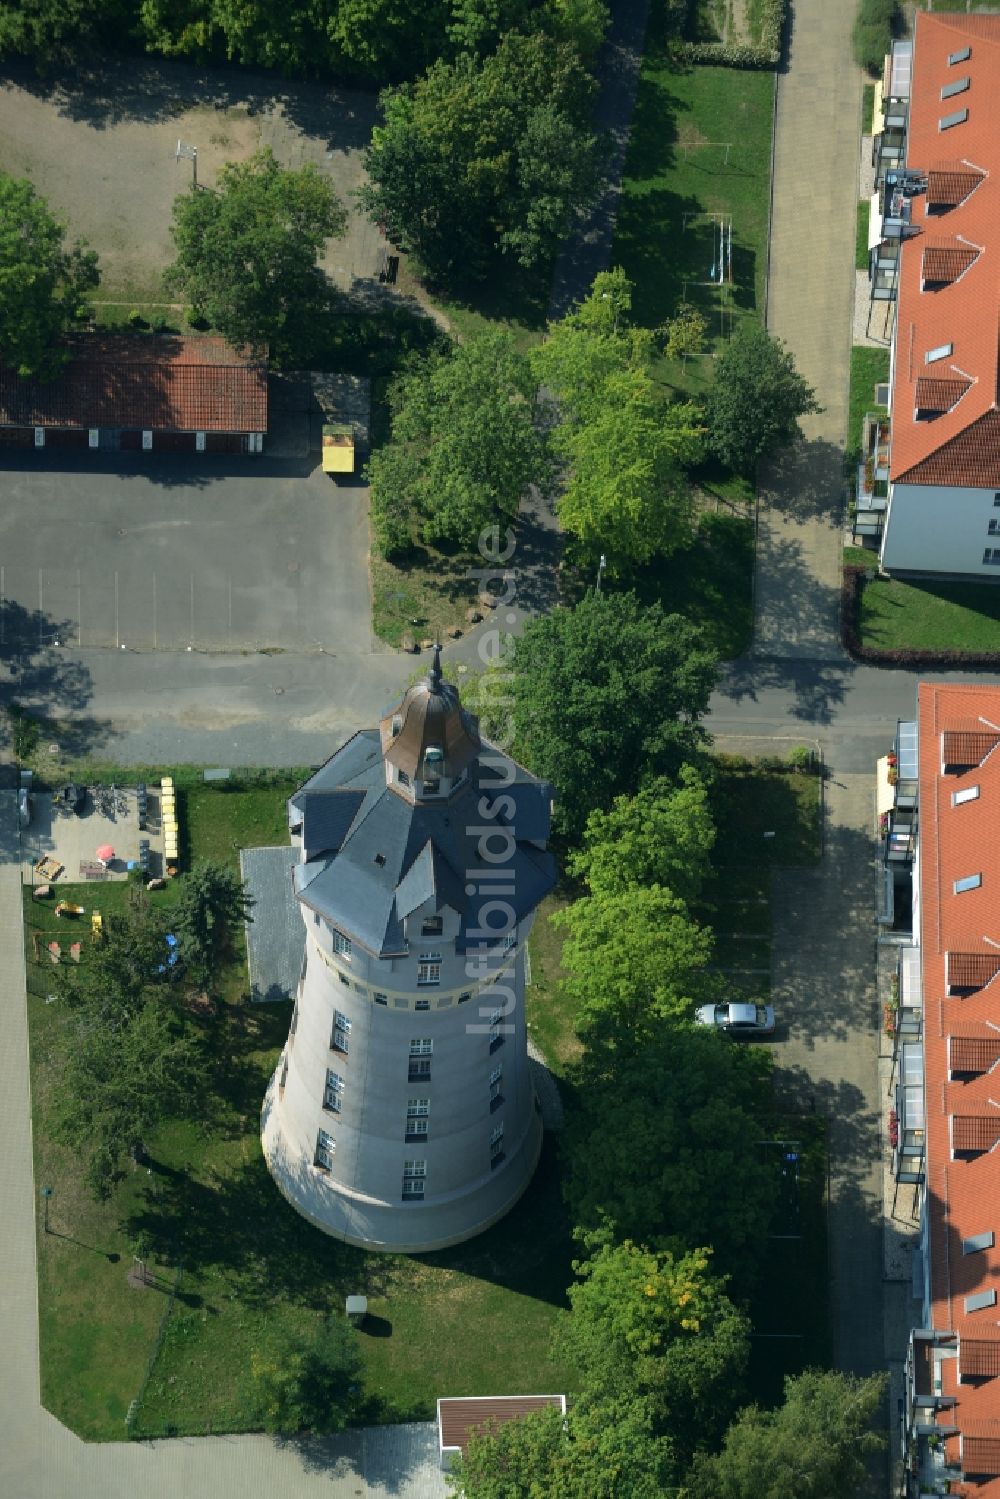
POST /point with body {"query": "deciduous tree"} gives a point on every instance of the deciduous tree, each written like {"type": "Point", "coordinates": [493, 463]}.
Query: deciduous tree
{"type": "Point", "coordinates": [818, 1442]}
{"type": "Point", "coordinates": [464, 446]}
{"type": "Point", "coordinates": [756, 399]}
{"type": "Point", "coordinates": [247, 254]}
{"type": "Point", "coordinates": [487, 155]}
{"type": "Point", "coordinates": [608, 695]}
{"type": "Point", "coordinates": [676, 1119]}
{"type": "Point", "coordinates": [663, 835]}
{"type": "Point", "coordinates": [657, 1325]}
{"type": "Point", "coordinates": [43, 281]}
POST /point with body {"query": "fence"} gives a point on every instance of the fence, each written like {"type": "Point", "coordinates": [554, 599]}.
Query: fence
{"type": "Point", "coordinates": [135, 1406]}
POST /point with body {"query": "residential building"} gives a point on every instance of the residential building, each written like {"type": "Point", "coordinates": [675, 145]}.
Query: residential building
{"type": "Point", "coordinates": [150, 392]}
{"type": "Point", "coordinates": [945, 1125]}
{"type": "Point", "coordinates": [929, 480]}
{"type": "Point", "coordinates": [402, 1114]}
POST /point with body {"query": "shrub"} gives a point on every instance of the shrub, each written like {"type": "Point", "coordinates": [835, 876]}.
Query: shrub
{"type": "Point", "coordinates": [135, 319]}
{"type": "Point", "coordinates": [873, 33]}
{"type": "Point", "coordinates": [765, 53]}
{"type": "Point", "coordinates": [25, 732]}
{"type": "Point", "coordinates": [802, 757]}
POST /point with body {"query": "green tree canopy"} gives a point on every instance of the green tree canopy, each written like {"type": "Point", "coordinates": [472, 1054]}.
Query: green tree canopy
{"type": "Point", "coordinates": [817, 1443]}
{"type": "Point", "coordinates": [247, 254]}
{"type": "Point", "coordinates": [306, 1380]}
{"type": "Point", "coordinates": [606, 696]}
{"type": "Point", "coordinates": [464, 445]}
{"type": "Point", "coordinates": [663, 835]}
{"type": "Point", "coordinates": [42, 281]}
{"type": "Point", "coordinates": [606, 1448]}
{"type": "Point", "coordinates": [633, 959]}
{"type": "Point", "coordinates": [626, 449]}
{"type": "Point", "coordinates": [676, 1119]}
{"type": "Point", "coordinates": [128, 1057]}
{"type": "Point", "coordinates": [212, 905]}
{"type": "Point", "coordinates": [756, 399]}
{"type": "Point", "coordinates": [484, 155]}
{"type": "Point", "coordinates": [658, 1325]}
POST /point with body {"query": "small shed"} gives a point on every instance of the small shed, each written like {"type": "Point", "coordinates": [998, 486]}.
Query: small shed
{"type": "Point", "coordinates": [338, 448]}
{"type": "Point", "coordinates": [462, 1417]}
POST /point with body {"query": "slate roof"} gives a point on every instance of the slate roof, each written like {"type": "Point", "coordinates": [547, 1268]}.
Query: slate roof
{"type": "Point", "coordinates": [276, 938]}
{"type": "Point", "coordinates": [955, 241]}
{"type": "Point", "coordinates": [397, 854]}
{"type": "Point", "coordinates": [156, 382]}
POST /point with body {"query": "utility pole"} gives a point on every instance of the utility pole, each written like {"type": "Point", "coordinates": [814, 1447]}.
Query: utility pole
{"type": "Point", "coordinates": [191, 154]}
{"type": "Point", "coordinates": [600, 571]}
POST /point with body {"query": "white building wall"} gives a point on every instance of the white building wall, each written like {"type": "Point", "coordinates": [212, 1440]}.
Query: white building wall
{"type": "Point", "coordinates": [939, 529]}
{"type": "Point", "coordinates": [360, 1197]}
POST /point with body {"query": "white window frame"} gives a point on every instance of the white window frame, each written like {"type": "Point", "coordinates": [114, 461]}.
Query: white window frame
{"type": "Point", "coordinates": [496, 1083]}
{"type": "Point", "coordinates": [326, 1149]}
{"type": "Point", "coordinates": [147, 441]}
{"type": "Point", "coordinates": [333, 1093]}
{"type": "Point", "coordinates": [341, 944]}
{"type": "Point", "coordinates": [416, 1170]}
{"type": "Point", "coordinates": [968, 882]}
{"type": "Point", "coordinates": [341, 1039]}
{"type": "Point", "coordinates": [496, 1145]}
{"type": "Point", "coordinates": [969, 794]}
{"type": "Point", "coordinates": [421, 1046]}
{"type": "Point", "coordinates": [942, 351]}
{"type": "Point", "coordinates": [429, 970]}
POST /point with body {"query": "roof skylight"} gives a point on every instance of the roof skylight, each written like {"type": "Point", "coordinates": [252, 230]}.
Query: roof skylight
{"type": "Point", "coordinates": [941, 352]}
{"type": "Point", "coordinates": [958, 118]}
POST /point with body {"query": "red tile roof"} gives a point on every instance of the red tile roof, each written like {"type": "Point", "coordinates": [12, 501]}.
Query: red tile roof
{"type": "Point", "coordinates": [971, 970]}
{"type": "Point", "coordinates": [945, 262]}
{"type": "Point", "coordinates": [460, 1418]}
{"type": "Point", "coordinates": [961, 1044]}
{"type": "Point", "coordinates": [940, 395]}
{"type": "Point", "coordinates": [979, 1358]}
{"type": "Point", "coordinates": [155, 382]}
{"type": "Point", "coordinates": [973, 1053]}
{"type": "Point", "coordinates": [961, 446]}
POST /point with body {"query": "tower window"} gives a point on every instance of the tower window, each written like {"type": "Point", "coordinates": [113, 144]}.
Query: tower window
{"type": "Point", "coordinates": [341, 1040]}
{"type": "Point", "coordinates": [496, 1088]}
{"type": "Point", "coordinates": [333, 1094]}
{"type": "Point", "coordinates": [496, 1030]}
{"type": "Point", "coordinates": [429, 969]}
{"type": "Point", "coordinates": [432, 926]}
{"type": "Point", "coordinates": [417, 1111]}
{"type": "Point", "coordinates": [341, 944]}
{"type": "Point", "coordinates": [422, 1004]}
{"type": "Point", "coordinates": [414, 1177]}
{"type": "Point", "coordinates": [496, 1146]}
{"type": "Point", "coordinates": [422, 1046]}
{"type": "Point", "coordinates": [325, 1147]}
{"type": "Point", "coordinates": [420, 1070]}
{"type": "Point", "coordinates": [381, 999]}
{"type": "Point", "coordinates": [402, 778]}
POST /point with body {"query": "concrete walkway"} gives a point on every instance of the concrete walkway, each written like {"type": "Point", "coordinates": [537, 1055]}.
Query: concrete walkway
{"type": "Point", "coordinates": [810, 289]}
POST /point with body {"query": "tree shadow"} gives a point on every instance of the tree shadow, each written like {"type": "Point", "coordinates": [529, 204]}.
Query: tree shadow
{"type": "Point", "coordinates": [805, 482]}
{"type": "Point", "coordinates": [44, 681]}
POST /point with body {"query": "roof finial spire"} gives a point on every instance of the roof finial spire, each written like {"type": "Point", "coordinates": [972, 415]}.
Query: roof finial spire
{"type": "Point", "coordinates": [434, 677]}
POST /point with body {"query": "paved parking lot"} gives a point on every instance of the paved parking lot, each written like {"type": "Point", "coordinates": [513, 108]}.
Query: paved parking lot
{"type": "Point", "coordinates": [159, 553]}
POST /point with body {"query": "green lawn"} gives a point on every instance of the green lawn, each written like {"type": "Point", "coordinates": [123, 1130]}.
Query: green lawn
{"type": "Point", "coordinates": [869, 367]}
{"type": "Point", "coordinates": [927, 615]}
{"type": "Point", "coordinates": [686, 121]}
{"type": "Point", "coordinates": [551, 1020]}
{"type": "Point", "coordinates": [711, 583]}
{"type": "Point", "coordinates": [861, 248]}
{"type": "Point", "coordinates": [424, 596]}
{"type": "Point", "coordinates": [867, 109]}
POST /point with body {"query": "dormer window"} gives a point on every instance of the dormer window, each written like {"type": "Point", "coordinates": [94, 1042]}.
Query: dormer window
{"type": "Point", "coordinates": [433, 926]}
{"type": "Point", "coordinates": [432, 768]}
{"type": "Point", "coordinates": [402, 778]}
{"type": "Point", "coordinates": [397, 723]}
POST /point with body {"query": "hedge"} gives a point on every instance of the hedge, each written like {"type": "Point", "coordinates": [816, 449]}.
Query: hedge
{"type": "Point", "coordinates": [763, 54]}
{"type": "Point", "coordinates": [872, 33]}
{"type": "Point", "coordinates": [850, 634]}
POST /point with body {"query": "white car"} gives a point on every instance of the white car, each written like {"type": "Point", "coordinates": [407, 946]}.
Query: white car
{"type": "Point", "coordinates": [738, 1019]}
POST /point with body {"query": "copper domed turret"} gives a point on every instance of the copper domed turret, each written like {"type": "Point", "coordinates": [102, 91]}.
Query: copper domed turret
{"type": "Point", "coordinates": [429, 736]}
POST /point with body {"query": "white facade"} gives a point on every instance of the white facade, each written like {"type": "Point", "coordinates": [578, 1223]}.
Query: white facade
{"type": "Point", "coordinates": [932, 528]}
{"type": "Point", "coordinates": [402, 1114]}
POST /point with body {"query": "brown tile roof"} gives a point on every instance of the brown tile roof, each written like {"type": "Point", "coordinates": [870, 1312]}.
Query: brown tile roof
{"type": "Point", "coordinates": [980, 1357]}
{"type": "Point", "coordinates": [977, 1054]}
{"type": "Point", "coordinates": [950, 185]}
{"type": "Point", "coordinates": [458, 1419]}
{"type": "Point", "coordinates": [967, 746]}
{"type": "Point", "coordinates": [971, 970]}
{"type": "Point", "coordinates": [946, 262]}
{"type": "Point", "coordinates": [153, 381]}
{"type": "Point", "coordinates": [961, 446]}
{"type": "Point", "coordinates": [939, 395]}
{"type": "Point", "coordinates": [974, 1132]}
{"type": "Point", "coordinates": [981, 1454]}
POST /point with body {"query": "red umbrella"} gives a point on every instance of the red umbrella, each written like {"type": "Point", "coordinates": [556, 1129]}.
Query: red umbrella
{"type": "Point", "coordinates": [105, 852]}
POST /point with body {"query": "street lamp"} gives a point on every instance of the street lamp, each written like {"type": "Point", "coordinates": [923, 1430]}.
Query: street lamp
{"type": "Point", "coordinates": [46, 1194]}
{"type": "Point", "coordinates": [602, 564]}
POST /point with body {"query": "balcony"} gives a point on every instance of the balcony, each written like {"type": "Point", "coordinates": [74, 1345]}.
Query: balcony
{"type": "Point", "coordinates": [873, 470]}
